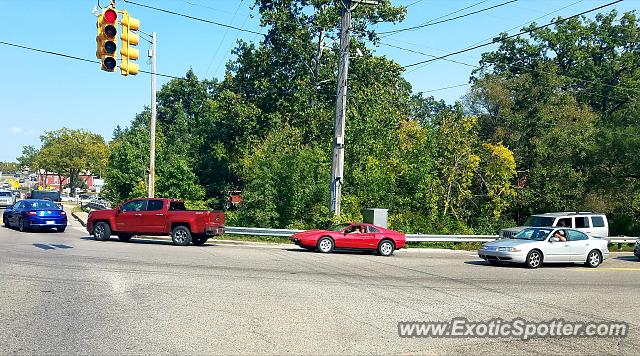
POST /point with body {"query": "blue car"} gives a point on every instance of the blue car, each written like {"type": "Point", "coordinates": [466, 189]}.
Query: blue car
{"type": "Point", "coordinates": [35, 214]}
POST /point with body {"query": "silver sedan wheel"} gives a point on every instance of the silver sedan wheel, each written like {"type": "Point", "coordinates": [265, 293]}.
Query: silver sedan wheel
{"type": "Point", "coordinates": [593, 259]}
{"type": "Point", "coordinates": [325, 245]}
{"type": "Point", "coordinates": [534, 259]}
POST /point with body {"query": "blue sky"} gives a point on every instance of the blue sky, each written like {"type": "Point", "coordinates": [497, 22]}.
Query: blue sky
{"type": "Point", "coordinates": [40, 92]}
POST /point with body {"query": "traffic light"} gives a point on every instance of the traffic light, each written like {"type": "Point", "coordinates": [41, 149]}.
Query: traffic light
{"type": "Point", "coordinates": [106, 39]}
{"type": "Point", "coordinates": [129, 39]}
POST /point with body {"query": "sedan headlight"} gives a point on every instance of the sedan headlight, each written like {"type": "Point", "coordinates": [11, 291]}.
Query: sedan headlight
{"type": "Point", "coordinates": [508, 249]}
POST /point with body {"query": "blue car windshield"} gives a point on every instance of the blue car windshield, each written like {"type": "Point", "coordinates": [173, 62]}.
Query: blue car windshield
{"type": "Point", "coordinates": [41, 204]}
{"type": "Point", "coordinates": [533, 234]}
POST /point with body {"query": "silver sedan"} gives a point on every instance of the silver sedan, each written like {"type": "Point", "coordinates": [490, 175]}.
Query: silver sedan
{"type": "Point", "coordinates": [533, 246]}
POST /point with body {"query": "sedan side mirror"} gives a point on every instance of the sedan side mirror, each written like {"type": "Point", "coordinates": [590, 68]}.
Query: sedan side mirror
{"type": "Point", "coordinates": [554, 239]}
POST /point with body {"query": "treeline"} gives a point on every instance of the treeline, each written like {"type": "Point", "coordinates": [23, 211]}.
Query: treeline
{"type": "Point", "coordinates": [551, 123]}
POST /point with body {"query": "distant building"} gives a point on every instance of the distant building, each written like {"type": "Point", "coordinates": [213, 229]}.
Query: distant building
{"type": "Point", "coordinates": [50, 179]}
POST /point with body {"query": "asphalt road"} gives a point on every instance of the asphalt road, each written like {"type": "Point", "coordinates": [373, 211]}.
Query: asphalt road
{"type": "Point", "coordinates": [64, 293]}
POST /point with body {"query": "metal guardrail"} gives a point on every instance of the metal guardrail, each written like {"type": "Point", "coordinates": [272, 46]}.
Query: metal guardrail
{"type": "Point", "coordinates": [255, 231]}
{"type": "Point", "coordinates": [95, 206]}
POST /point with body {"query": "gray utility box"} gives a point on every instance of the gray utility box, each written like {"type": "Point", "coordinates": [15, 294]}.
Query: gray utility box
{"type": "Point", "coordinates": [375, 216]}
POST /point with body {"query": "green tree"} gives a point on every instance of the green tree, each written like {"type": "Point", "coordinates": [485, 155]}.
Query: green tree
{"type": "Point", "coordinates": [67, 153]}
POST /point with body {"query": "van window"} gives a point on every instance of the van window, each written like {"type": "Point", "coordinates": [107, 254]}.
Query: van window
{"type": "Point", "coordinates": [582, 221]}
{"type": "Point", "coordinates": [597, 221]}
{"type": "Point", "coordinates": [564, 222]}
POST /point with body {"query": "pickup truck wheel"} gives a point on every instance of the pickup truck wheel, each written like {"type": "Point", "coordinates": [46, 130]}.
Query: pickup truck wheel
{"type": "Point", "coordinates": [181, 236]}
{"type": "Point", "coordinates": [199, 240]}
{"type": "Point", "coordinates": [124, 237]}
{"type": "Point", "coordinates": [102, 231]}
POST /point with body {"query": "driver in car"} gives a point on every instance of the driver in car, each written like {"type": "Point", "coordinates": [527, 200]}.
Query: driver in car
{"type": "Point", "coordinates": [559, 234]}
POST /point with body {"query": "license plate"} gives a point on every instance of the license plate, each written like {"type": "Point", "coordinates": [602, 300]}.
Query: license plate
{"type": "Point", "coordinates": [50, 222]}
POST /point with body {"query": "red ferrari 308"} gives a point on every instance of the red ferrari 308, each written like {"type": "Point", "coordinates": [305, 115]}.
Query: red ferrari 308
{"type": "Point", "coordinates": [351, 236]}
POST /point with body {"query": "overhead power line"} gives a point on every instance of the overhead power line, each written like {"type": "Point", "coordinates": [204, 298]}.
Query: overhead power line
{"type": "Point", "coordinates": [192, 17]}
{"type": "Point", "coordinates": [597, 82]}
{"type": "Point", "coordinates": [76, 58]}
{"type": "Point", "coordinates": [510, 36]}
{"type": "Point", "coordinates": [533, 20]}
{"type": "Point", "coordinates": [430, 23]}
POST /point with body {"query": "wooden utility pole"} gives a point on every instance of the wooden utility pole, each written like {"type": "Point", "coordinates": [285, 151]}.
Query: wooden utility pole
{"type": "Point", "coordinates": [337, 157]}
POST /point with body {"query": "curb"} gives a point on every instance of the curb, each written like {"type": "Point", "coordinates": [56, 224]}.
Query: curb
{"type": "Point", "coordinates": [84, 224]}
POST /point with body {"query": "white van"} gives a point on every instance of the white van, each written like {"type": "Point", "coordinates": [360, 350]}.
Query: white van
{"type": "Point", "coordinates": [593, 224]}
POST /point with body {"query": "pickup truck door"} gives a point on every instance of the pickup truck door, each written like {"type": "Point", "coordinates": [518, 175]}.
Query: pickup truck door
{"type": "Point", "coordinates": [154, 217]}
{"type": "Point", "coordinates": [129, 218]}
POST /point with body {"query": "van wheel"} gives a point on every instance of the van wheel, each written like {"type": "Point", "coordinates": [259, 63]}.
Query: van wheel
{"type": "Point", "coordinates": [181, 235]}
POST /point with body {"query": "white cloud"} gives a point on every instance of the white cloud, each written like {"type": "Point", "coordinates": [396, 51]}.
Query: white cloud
{"type": "Point", "coordinates": [15, 130]}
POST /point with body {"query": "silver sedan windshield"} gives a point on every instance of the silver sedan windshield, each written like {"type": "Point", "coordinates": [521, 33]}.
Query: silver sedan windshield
{"type": "Point", "coordinates": [534, 234]}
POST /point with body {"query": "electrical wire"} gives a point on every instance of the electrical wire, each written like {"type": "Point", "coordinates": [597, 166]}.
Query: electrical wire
{"type": "Point", "coordinates": [78, 58]}
{"type": "Point", "coordinates": [501, 39]}
{"type": "Point", "coordinates": [192, 17]}
{"type": "Point", "coordinates": [430, 23]}
{"type": "Point", "coordinates": [618, 86]}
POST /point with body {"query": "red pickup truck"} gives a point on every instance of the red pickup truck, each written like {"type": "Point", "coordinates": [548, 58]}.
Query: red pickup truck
{"type": "Point", "coordinates": [156, 216]}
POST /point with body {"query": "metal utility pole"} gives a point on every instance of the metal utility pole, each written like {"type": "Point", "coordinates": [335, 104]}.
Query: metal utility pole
{"type": "Point", "coordinates": [152, 125]}
{"type": "Point", "coordinates": [337, 157]}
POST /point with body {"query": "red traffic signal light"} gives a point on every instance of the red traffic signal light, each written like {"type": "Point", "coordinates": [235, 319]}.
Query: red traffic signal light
{"type": "Point", "coordinates": [107, 39]}
{"type": "Point", "coordinates": [110, 16]}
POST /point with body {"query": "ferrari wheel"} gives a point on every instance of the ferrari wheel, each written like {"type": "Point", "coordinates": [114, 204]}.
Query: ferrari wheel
{"type": "Point", "coordinates": [325, 245]}
{"type": "Point", "coordinates": [386, 248]}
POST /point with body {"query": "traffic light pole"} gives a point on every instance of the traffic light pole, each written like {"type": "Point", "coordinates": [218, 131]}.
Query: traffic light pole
{"type": "Point", "coordinates": [152, 124]}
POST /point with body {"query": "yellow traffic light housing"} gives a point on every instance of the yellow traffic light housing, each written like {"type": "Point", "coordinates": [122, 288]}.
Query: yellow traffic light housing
{"type": "Point", "coordinates": [106, 39]}
{"type": "Point", "coordinates": [129, 39]}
